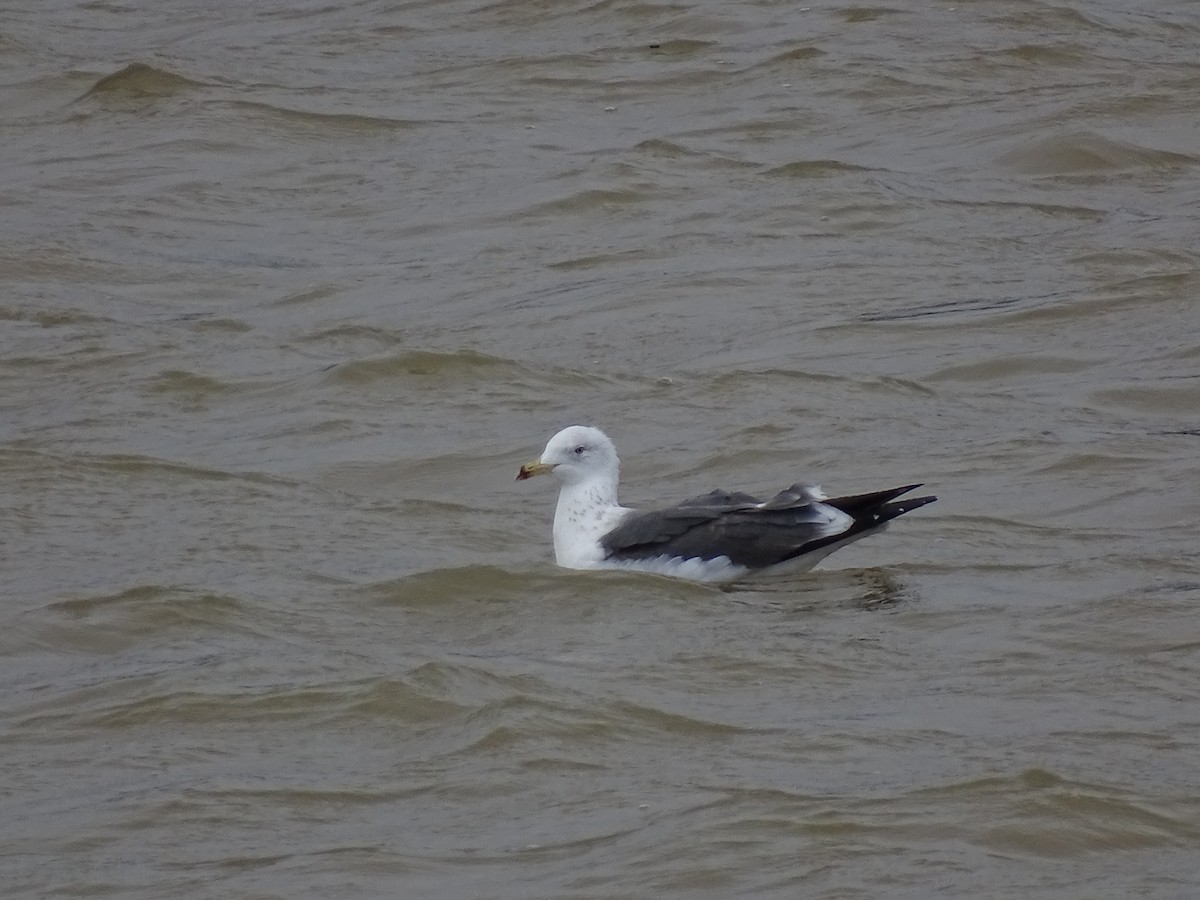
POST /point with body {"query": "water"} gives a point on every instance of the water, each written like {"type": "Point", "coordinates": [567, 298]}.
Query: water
{"type": "Point", "coordinates": [291, 290]}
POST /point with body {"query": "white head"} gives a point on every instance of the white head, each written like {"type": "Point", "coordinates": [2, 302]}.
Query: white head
{"type": "Point", "coordinates": [577, 454]}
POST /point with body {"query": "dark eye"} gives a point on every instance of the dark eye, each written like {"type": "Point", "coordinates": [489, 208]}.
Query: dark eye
{"type": "Point", "coordinates": [579, 450]}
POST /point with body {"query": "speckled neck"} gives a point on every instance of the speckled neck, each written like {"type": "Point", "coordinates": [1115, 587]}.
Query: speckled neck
{"type": "Point", "coordinates": [583, 514]}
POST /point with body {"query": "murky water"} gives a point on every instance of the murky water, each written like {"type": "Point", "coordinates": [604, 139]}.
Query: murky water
{"type": "Point", "coordinates": [290, 290]}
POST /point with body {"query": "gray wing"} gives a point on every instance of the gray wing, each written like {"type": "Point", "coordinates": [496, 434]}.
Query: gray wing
{"type": "Point", "coordinates": [749, 532]}
{"type": "Point", "coordinates": [725, 499]}
{"type": "Point", "coordinates": [653, 533]}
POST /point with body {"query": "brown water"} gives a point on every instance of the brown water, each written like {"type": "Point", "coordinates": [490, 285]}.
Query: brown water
{"type": "Point", "coordinates": [290, 290]}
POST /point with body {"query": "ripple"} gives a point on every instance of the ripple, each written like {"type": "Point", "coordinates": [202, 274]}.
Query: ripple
{"type": "Point", "coordinates": [795, 54]}
{"type": "Point", "coordinates": [114, 623]}
{"type": "Point", "coordinates": [1183, 400]}
{"type": "Point", "coordinates": [596, 260]}
{"type": "Point", "coordinates": [588, 201]}
{"type": "Point", "coordinates": [142, 80]}
{"type": "Point", "coordinates": [391, 700]}
{"type": "Point", "coordinates": [1008, 367]}
{"type": "Point", "coordinates": [1085, 153]}
{"type": "Point", "coordinates": [332, 123]}
{"type": "Point", "coordinates": [473, 583]}
{"type": "Point", "coordinates": [1057, 54]}
{"type": "Point", "coordinates": [1077, 822]}
{"type": "Point", "coordinates": [354, 334]}
{"type": "Point", "coordinates": [61, 465]}
{"type": "Point", "coordinates": [649, 720]}
{"type": "Point", "coordinates": [683, 48]}
{"type": "Point", "coordinates": [857, 14]}
{"type": "Point", "coordinates": [191, 385]}
{"type": "Point", "coordinates": [164, 603]}
{"type": "Point", "coordinates": [814, 168]}
{"type": "Point", "coordinates": [1055, 817]}
{"type": "Point", "coordinates": [442, 586]}
{"type": "Point", "coordinates": [461, 366]}
{"type": "Point", "coordinates": [56, 318]}
{"type": "Point", "coordinates": [754, 379]}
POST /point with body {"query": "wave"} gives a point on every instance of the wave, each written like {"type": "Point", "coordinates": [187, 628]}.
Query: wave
{"type": "Point", "coordinates": [142, 80]}
{"type": "Point", "coordinates": [1085, 152]}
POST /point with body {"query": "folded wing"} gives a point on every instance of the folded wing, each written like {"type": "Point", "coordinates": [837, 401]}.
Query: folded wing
{"type": "Point", "coordinates": [752, 533]}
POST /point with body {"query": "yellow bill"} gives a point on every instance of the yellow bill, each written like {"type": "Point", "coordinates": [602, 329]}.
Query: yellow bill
{"type": "Point", "coordinates": [534, 468]}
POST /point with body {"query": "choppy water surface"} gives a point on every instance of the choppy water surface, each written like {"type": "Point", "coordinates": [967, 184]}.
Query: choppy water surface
{"type": "Point", "coordinates": [291, 289]}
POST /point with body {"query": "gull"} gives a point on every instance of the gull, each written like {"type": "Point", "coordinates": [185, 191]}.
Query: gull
{"type": "Point", "coordinates": [720, 536]}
